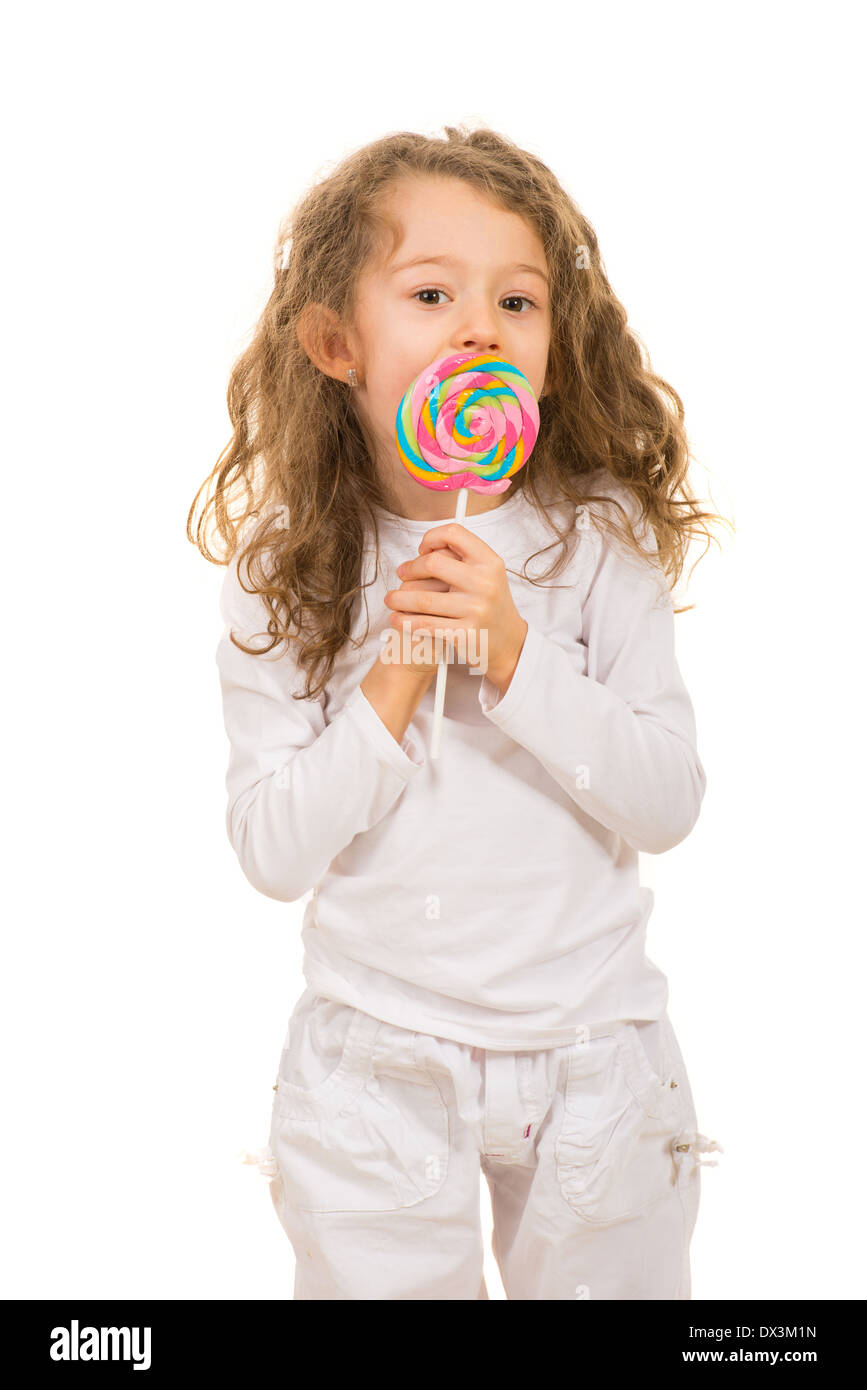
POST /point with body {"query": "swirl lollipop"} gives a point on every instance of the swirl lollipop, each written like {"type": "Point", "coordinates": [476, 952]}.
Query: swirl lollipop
{"type": "Point", "coordinates": [468, 421]}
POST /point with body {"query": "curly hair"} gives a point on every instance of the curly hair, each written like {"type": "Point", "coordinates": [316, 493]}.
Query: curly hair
{"type": "Point", "coordinates": [299, 464]}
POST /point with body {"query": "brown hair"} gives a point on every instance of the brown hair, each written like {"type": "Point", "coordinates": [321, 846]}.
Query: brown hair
{"type": "Point", "coordinates": [299, 458]}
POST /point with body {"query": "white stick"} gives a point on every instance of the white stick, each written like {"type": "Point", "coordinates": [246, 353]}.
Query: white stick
{"type": "Point", "coordinates": [443, 666]}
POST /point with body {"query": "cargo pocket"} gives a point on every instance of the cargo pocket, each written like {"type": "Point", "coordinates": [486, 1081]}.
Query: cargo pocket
{"type": "Point", "coordinates": [372, 1135]}
{"type": "Point", "coordinates": [614, 1152]}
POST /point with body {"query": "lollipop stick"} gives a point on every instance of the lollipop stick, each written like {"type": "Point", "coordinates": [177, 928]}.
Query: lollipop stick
{"type": "Point", "coordinates": [443, 666]}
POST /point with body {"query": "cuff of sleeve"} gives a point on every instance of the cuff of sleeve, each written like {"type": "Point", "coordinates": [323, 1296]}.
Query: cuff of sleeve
{"type": "Point", "coordinates": [405, 758]}
{"type": "Point", "coordinates": [499, 707]}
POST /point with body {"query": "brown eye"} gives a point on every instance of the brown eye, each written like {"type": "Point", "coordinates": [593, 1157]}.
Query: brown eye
{"type": "Point", "coordinates": [521, 299]}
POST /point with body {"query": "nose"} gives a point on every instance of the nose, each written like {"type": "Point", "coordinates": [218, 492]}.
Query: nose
{"type": "Point", "coordinates": [476, 330]}
{"type": "Point", "coordinates": [476, 343]}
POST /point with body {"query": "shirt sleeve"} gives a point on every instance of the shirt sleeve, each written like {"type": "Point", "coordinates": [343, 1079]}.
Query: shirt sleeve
{"type": "Point", "coordinates": [610, 718]}
{"type": "Point", "coordinates": [299, 788]}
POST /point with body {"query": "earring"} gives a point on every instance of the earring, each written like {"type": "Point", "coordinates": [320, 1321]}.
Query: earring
{"type": "Point", "coordinates": [352, 378]}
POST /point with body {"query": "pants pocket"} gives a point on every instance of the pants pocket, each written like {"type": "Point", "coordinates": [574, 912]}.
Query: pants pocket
{"type": "Point", "coordinates": [370, 1135]}
{"type": "Point", "coordinates": [621, 1117]}
{"type": "Point", "coordinates": [655, 1072]}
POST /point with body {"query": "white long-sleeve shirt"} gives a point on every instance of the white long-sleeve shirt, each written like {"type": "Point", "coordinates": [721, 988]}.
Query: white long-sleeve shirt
{"type": "Point", "coordinates": [491, 896]}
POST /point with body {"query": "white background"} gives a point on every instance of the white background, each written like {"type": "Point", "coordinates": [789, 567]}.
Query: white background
{"type": "Point", "coordinates": [150, 152]}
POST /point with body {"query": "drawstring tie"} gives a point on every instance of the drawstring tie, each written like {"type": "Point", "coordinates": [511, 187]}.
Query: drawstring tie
{"type": "Point", "coordinates": [699, 1144]}
{"type": "Point", "coordinates": [263, 1158]}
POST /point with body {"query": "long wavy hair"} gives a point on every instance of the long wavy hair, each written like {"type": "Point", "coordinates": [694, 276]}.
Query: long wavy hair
{"type": "Point", "coordinates": [291, 492]}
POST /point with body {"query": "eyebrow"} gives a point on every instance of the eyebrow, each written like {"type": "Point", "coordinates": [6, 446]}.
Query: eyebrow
{"type": "Point", "coordinates": [453, 260]}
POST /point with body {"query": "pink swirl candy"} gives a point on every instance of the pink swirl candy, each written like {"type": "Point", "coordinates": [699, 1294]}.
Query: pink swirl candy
{"type": "Point", "coordinates": [467, 421]}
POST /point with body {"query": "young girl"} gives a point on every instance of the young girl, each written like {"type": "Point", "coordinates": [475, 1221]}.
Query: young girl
{"type": "Point", "coordinates": [478, 993]}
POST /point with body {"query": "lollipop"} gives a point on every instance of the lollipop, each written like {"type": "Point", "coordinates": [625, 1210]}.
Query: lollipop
{"type": "Point", "coordinates": [467, 421]}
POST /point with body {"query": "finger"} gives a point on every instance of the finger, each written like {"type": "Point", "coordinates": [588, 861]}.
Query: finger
{"type": "Point", "coordinates": [435, 584]}
{"type": "Point", "coordinates": [436, 564]}
{"type": "Point", "coordinates": [456, 537]}
{"type": "Point", "coordinates": [426, 603]}
{"type": "Point", "coordinates": [417, 564]}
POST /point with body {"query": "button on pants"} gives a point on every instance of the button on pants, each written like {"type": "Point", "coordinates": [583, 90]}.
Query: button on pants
{"type": "Point", "coordinates": [590, 1151]}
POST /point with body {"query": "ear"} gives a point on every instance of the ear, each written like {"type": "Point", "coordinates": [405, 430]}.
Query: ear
{"type": "Point", "coordinates": [325, 340]}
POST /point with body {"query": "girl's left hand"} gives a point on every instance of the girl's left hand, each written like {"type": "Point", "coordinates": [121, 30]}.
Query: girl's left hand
{"type": "Point", "coordinates": [479, 597]}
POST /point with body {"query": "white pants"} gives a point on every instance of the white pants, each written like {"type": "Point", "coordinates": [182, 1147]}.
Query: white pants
{"type": "Point", "coordinates": [589, 1150]}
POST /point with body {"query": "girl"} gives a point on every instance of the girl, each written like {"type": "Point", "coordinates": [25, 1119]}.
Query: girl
{"type": "Point", "coordinates": [478, 992]}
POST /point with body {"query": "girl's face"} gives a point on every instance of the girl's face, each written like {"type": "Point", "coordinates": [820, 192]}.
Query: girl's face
{"type": "Point", "coordinates": [468, 277]}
